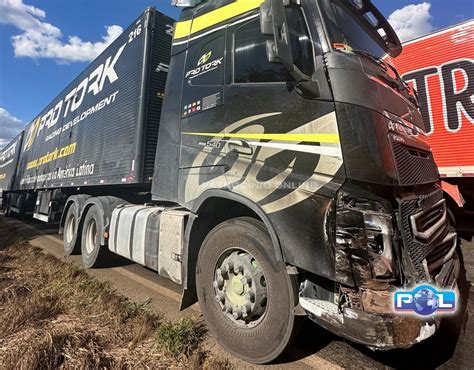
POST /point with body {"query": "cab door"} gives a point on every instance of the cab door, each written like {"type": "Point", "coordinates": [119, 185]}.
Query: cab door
{"type": "Point", "coordinates": [285, 147]}
{"type": "Point", "coordinates": [202, 111]}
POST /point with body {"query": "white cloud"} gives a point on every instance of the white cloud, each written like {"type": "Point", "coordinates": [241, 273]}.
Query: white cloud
{"type": "Point", "coordinates": [10, 126]}
{"type": "Point", "coordinates": [412, 21]}
{"type": "Point", "coordinates": [40, 39]}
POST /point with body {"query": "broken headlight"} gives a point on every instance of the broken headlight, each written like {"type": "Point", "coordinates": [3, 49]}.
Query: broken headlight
{"type": "Point", "coordinates": [379, 232]}
{"type": "Point", "coordinates": [364, 235]}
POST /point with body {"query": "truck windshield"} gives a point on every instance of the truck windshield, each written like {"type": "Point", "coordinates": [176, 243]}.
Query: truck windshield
{"type": "Point", "coordinates": [346, 27]}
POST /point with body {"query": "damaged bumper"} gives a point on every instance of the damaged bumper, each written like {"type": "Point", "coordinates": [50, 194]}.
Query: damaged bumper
{"type": "Point", "coordinates": [376, 330]}
{"type": "Point", "coordinates": [386, 331]}
{"type": "Point", "coordinates": [372, 321]}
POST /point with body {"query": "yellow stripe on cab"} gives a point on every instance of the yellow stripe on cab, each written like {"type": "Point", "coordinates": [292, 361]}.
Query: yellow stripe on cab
{"type": "Point", "coordinates": [310, 138]}
{"type": "Point", "coordinates": [186, 28]}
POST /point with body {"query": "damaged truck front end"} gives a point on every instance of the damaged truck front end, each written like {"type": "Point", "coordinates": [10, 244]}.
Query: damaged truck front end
{"type": "Point", "coordinates": [388, 225]}
{"type": "Point", "coordinates": [389, 231]}
{"type": "Point", "coordinates": [381, 247]}
{"type": "Point", "coordinates": [377, 252]}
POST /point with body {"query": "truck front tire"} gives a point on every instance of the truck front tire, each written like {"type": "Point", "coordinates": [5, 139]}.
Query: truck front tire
{"type": "Point", "coordinates": [93, 253]}
{"type": "Point", "coordinates": [245, 294]}
{"type": "Point", "coordinates": [70, 234]}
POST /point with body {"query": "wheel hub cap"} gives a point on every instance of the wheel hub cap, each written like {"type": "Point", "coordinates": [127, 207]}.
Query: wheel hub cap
{"type": "Point", "coordinates": [240, 287]}
{"type": "Point", "coordinates": [237, 286]}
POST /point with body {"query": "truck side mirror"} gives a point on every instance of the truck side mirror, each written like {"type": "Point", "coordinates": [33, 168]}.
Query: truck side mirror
{"type": "Point", "coordinates": [266, 23]}
{"type": "Point", "coordinates": [273, 22]}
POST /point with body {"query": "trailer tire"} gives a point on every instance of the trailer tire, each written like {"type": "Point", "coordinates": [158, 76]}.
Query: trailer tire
{"type": "Point", "coordinates": [241, 240]}
{"type": "Point", "coordinates": [71, 239]}
{"type": "Point", "coordinates": [7, 212]}
{"type": "Point", "coordinates": [93, 253]}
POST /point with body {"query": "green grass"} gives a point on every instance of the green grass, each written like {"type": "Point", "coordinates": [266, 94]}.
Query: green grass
{"type": "Point", "coordinates": [54, 314]}
{"type": "Point", "coordinates": [181, 337]}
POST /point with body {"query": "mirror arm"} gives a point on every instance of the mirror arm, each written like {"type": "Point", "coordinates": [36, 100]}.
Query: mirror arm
{"type": "Point", "coordinates": [298, 74]}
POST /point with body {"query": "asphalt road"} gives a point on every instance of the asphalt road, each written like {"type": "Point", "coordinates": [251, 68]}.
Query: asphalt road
{"type": "Point", "coordinates": [451, 348]}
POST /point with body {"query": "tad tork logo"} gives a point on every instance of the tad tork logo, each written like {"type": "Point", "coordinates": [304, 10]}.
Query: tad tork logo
{"type": "Point", "coordinates": [204, 58]}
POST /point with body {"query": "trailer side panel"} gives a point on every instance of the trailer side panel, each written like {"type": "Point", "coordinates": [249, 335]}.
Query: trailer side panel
{"type": "Point", "coordinates": [8, 163]}
{"type": "Point", "coordinates": [88, 135]}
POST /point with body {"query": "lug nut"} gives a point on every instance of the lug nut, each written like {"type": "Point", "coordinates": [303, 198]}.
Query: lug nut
{"type": "Point", "coordinates": [247, 280]}
{"type": "Point", "coordinates": [220, 297]}
{"type": "Point", "coordinates": [238, 269]}
{"type": "Point", "coordinates": [250, 296]}
{"type": "Point", "coordinates": [237, 313]}
{"type": "Point", "coordinates": [219, 282]}
{"type": "Point", "coordinates": [220, 272]}
{"type": "Point", "coordinates": [228, 266]}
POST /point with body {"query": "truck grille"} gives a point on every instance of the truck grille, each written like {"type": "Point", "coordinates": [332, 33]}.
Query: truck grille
{"type": "Point", "coordinates": [427, 224]}
{"type": "Point", "coordinates": [426, 234]}
{"type": "Point", "coordinates": [414, 166]}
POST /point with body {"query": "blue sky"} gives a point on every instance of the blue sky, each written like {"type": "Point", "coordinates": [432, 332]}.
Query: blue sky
{"type": "Point", "coordinates": [38, 57]}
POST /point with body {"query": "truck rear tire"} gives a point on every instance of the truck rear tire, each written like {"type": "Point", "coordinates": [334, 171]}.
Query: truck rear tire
{"type": "Point", "coordinates": [246, 295]}
{"type": "Point", "coordinates": [70, 235]}
{"type": "Point", "coordinates": [93, 253]}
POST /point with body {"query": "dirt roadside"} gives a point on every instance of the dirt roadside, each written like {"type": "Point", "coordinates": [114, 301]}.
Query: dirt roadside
{"type": "Point", "coordinates": [139, 284]}
{"type": "Point", "coordinates": [53, 314]}
{"type": "Point", "coordinates": [314, 348]}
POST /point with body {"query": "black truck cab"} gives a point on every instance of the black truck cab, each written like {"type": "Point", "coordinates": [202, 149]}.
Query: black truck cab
{"type": "Point", "coordinates": [295, 110]}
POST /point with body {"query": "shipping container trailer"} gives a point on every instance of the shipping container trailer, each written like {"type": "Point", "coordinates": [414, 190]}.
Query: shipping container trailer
{"type": "Point", "coordinates": [9, 156]}
{"type": "Point", "coordinates": [102, 129]}
{"type": "Point", "coordinates": [441, 67]}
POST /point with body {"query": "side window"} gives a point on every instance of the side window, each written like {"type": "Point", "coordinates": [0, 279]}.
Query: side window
{"type": "Point", "coordinates": [250, 57]}
{"type": "Point", "coordinates": [300, 41]}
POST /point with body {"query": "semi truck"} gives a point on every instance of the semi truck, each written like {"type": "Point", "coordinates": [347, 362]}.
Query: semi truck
{"type": "Point", "coordinates": [263, 155]}
{"type": "Point", "coordinates": [441, 67]}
